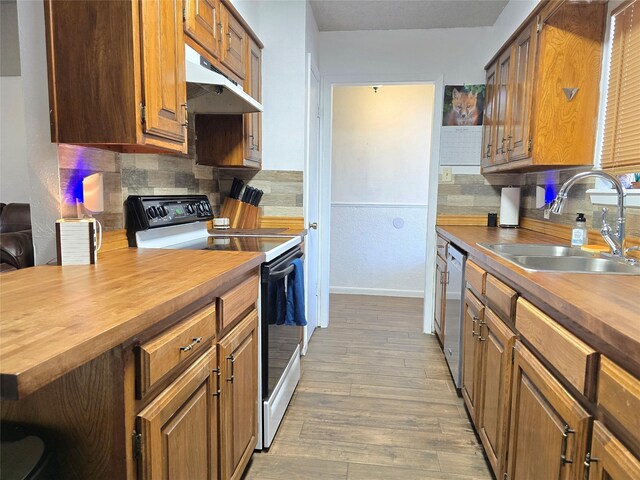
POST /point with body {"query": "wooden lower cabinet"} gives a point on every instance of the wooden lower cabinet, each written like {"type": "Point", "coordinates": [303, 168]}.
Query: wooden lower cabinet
{"type": "Point", "coordinates": [496, 347]}
{"type": "Point", "coordinates": [439, 308]}
{"type": "Point", "coordinates": [471, 364]}
{"type": "Point", "coordinates": [179, 427]}
{"type": "Point", "coordinates": [548, 429]}
{"type": "Point", "coordinates": [238, 354]}
{"type": "Point", "coordinates": [609, 459]}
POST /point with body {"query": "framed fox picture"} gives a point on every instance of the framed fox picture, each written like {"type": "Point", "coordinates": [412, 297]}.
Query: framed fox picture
{"type": "Point", "coordinates": [463, 105]}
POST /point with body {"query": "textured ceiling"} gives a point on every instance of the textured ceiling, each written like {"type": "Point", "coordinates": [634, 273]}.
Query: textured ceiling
{"type": "Point", "coordinates": [349, 15]}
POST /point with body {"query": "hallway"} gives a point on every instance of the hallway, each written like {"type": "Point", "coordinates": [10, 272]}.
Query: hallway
{"type": "Point", "coordinates": [375, 401]}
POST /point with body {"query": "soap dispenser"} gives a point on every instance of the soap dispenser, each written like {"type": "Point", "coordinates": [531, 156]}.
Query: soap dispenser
{"type": "Point", "coordinates": [579, 231]}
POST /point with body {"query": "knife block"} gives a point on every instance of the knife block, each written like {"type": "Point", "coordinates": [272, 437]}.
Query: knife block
{"type": "Point", "coordinates": [250, 216]}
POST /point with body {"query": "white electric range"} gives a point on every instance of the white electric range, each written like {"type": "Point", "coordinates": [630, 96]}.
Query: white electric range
{"type": "Point", "coordinates": [180, 222]}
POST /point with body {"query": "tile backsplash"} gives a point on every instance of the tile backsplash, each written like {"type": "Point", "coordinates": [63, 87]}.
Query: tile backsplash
{"type": "Point", "coordinates": [153, 174]}
{"type": "Point", "coordinates": [473, 194]}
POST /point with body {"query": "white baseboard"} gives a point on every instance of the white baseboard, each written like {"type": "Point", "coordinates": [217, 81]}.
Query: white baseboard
{"type": "Point", "coordinates": [383, 292]}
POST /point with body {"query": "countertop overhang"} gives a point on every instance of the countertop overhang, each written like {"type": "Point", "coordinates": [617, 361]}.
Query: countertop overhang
{"type": "Point", "coordinates": [601, 309]}
{"type": "Point", "coordinates": [54, 319]}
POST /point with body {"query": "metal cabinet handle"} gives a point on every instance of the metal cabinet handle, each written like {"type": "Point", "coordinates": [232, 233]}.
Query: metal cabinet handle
{"type": "Point", "coordinates": [186, 115]}
{"type": "Point", "coordinates": [480, 337]}
{"type": "Point", "coordinates": [474, 321]}
{"type": "Point", "coordinates": [487, 153]}
{"type": "Point", "coordinates": [216, 372]}
{"type": "Point", "coordinates": [230, 357]}
{"type": "Point", "coordinates": [565, 440]}
{"type": "Point", "coordinates": [191, 345]}
{"type": "Point", "coordinates": [228, 42]}
{"type": "Point", "coordinates": [509, 149]}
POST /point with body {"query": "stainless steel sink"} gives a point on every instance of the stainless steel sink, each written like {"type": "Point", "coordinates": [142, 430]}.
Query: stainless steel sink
{"type": "Point", "coordinates": [560, 258]}
{"type": "Point", "coordinates": [535, 249]}
{"type": "Point", "coordinates": [576, 265]}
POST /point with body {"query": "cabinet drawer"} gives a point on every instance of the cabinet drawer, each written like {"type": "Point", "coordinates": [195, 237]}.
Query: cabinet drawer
{"type": "Point", "coordinates": [502, 298]}
{"type": "Point", "coordinates": [235, 302]}
{"type": "Point", "coordinates": [573, 358]}
{"type": "Point", "coordinates": [476, 277]}
{"type": "Point", "coordinates": [160, 355]}
{"type": "Point", "coordinates": [619, 395]}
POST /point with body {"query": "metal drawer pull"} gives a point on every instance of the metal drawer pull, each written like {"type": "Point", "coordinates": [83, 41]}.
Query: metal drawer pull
{"type": "Point", "coordinates": [191, 345]}
{"type": "Point", "coordinates": [473, 326]}
{"type": "Point", "coordinates": [230, 357]}
{"type": "Point", "coordinates": [480, 337]}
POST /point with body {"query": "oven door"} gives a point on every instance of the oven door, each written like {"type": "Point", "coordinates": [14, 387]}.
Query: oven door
{"type": "Point", "coordinates": [279, 341]}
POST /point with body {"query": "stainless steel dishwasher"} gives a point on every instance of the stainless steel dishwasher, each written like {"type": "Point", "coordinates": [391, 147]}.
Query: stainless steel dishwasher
{"type": "Point", "coordinates": [453, 312]}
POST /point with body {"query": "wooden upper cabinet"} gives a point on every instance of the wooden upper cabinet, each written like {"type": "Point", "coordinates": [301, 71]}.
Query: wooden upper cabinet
{"type": "Point", "coordinates": [164, 82]}
{"type": "Point", "coordinates": [253, 121]}
{"type": "Point", "coordinates": [238, 353]}
{"type": "Point", "coordinates": [117, 74]}
{"type": "Point", "coordinates": [203, 24]}
{"type": "Point", "coordinates": [519, 137]}
{"type": "Point", "coordinates": [548, 429]}
{"type": "Point", "coordinates": [548, 89]}
{"type": "Point", "coordinates": [233, 54]}
{"type": "Point", "coordinates": [179, 427]}
{"type": "Point", "coordinates": [488, 133]}
{"type": "Point", "coordinates": [502, 106]}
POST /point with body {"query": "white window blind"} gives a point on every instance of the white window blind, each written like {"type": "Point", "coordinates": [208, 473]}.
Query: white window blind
{"type": "Point", "coordinates": [621, 142]}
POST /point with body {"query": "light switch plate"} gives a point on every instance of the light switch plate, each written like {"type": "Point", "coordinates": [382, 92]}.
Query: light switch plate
{"type": "Point", "coordinates": [447, 175]}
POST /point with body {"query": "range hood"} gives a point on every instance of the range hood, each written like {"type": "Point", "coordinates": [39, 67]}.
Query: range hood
{"type": "Point", "coordinates": [209, 91]}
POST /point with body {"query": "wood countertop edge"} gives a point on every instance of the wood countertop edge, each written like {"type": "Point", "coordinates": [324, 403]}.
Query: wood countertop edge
{"type": "Point", "coordinates": [603, 336]}
{"type": "Point", "coordinates": [17, 385]}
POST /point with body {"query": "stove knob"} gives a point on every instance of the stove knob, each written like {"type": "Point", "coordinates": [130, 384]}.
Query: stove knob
{"type": "Point", "coordinates": [205, 208]}
{"type": "Point", "coordinates": [162, 212]}
{"type": "Point", "coordinates": [152, 212]}
{"type": "Point", "coordinates": [189, 208]}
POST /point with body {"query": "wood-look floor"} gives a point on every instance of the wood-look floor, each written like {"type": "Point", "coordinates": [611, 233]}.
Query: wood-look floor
{"type": "Point", "coordinates": [375, 401]}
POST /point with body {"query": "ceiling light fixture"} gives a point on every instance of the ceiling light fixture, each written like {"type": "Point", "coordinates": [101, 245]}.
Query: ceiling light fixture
{"type": "Point", "coordinates": [375, 88]}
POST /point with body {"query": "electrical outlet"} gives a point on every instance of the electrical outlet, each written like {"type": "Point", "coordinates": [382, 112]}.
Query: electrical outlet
{"type": "Point", "coordinates": [447, 175]}
{"type": "Point", "coordinates": [547, 213]}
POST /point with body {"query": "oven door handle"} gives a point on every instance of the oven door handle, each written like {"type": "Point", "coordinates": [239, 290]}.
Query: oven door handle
{"type": "Point", "coordinates": [278, 274]}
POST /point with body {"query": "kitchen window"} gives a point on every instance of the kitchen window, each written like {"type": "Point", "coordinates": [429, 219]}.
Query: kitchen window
{"type": "Point", "coordinates": [621, 142]}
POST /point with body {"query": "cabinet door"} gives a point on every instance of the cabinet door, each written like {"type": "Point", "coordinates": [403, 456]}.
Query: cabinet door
{"type": "Point", "coordinates": [179, 427]}
{"type": "Point", "coordinates": [502, 107]}
{"type": "Point", "coordinates": [238, 353]}
{"type": "Point", "coordinates": [548, 428]}
{"type": "Point", "coordinates": [201, 23]}
{"type": "Point", "coordinates": [496, 344]}
{"type": "Point", "coordinates": [163, 67]}
{"type": "Point", "coordinates": [471, 359]}
{"type": "Point", "coordinates": [489, 123]}
{"type": "Point", "coordinates": [233, 46]}
{"type": "Point", "coordinates": [253, 121]}
{"type": "Point", "coordinates": [524, 55]}
{"type": "Point", "coordinates": [609, 458]}
{"type": "Point", "coordinates": [440, 298]}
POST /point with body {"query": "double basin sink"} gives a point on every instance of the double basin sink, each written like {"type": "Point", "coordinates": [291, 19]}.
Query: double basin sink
{"type": "Point", "coordinates": [560, 258]}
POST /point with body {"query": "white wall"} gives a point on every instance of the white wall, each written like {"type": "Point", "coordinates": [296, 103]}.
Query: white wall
{"type": "Point", "coordinates": [42, 155]}
{"type": "Point", "coordinates": [381, 144]}
{"type": "Point", "coordinates": [14, 178]}
{"type": "Point", "coordinates": [282, 26]}
{"type": "Point", "coordinates": [380, 162]}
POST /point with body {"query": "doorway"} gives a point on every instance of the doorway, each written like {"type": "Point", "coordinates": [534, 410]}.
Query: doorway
{"type": "Point", "coordinates": [375, 205]}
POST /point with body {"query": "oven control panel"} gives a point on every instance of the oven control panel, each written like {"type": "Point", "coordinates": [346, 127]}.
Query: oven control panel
{"type": "Point", "coordinates": [152, 211]}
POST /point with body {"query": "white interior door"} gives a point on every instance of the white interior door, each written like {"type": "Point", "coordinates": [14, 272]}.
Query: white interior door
{"type": "Point", "coordinates": [311, 199]}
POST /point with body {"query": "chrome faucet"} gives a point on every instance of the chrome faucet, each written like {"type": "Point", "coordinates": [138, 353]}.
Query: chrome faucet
{"type": "Point", "coordinates": [615, 241]}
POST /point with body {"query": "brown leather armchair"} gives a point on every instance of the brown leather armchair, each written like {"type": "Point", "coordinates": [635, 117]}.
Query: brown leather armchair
{"type": "Point", "coordinates": [16, 243]}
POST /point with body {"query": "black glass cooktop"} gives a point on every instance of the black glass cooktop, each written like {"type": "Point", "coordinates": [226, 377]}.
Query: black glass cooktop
{"type": "Point", "coordinates": [233, 244]}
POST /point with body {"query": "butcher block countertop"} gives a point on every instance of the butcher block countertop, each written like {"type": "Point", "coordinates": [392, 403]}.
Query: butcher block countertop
{"type": "Point", "coordinates": [603, 310]}
{"type": "Point", "coordinates": [54, 319]}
